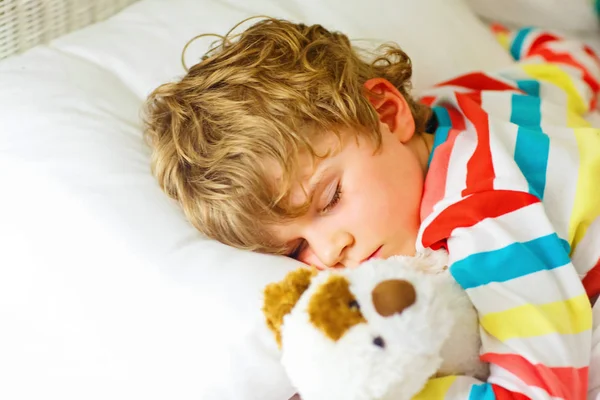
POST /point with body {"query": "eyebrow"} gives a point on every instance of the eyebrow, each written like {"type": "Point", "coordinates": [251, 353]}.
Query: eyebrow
{"type": "Point", "coordinates": [316, 180]}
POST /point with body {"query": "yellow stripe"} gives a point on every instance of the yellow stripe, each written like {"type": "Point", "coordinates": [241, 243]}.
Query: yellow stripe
{"type": "Point", "coordinates": [504, 40]}
{"type": "Point", "coordinates": [564, 317]}
{"type": "Point", "coordinates": [575, 120]}
{"type": "Point", "coordinates": [586, 207]}
{"type": "Point", "coordinates": [436, 388]}
{"type": "Point", "coordinates": [558, 77]}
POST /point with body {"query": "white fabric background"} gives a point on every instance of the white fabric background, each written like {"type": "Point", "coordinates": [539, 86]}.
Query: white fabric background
{"type": "Point", "coordinates": [105, 291]}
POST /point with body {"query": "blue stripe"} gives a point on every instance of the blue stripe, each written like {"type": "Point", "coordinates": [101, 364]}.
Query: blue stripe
{"type": "Point", "coordinates": [526, 111]}
{"type": "Point", "coordinates": [482, 392]}
{"type": "Point", "coordinates": [597, 7]}
{"type": "Point", "coordinates": [442, 115]}
{"type": "Point", "coordinates": [441, 133]}
{"type": "Point", "coordinates": [512, 261]}
{"type": "Point", "coordinates": [529, 86]}
{"type": "Point", "coordinates": [533, 145]}
{"type": "Point", "coordinates": [517, 44]}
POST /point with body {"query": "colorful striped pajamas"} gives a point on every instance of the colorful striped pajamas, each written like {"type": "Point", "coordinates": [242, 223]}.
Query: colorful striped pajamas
{"type": "Point", "coordinates": [513, 192]}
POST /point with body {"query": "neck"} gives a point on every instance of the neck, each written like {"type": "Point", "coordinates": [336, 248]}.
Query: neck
{"type": "Point", "coordinates": [425, 151]}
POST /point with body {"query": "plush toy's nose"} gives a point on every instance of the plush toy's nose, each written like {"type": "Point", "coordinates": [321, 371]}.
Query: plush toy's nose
{"type": "Point", "coordinates": [393, 296]}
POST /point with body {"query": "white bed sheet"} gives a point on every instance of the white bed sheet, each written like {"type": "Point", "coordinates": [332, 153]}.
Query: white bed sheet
{"type": "Point", "coordinates": [105, 290]}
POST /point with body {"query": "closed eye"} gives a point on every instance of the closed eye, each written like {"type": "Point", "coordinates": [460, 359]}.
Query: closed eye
{"type": "Point", "coordinates": [335, 198]}
{"type": "Point", "coordinates": [298, 249]}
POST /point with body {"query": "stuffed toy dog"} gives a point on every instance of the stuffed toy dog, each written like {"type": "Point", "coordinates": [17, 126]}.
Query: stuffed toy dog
{"type": "Point", "coordinates": [378, 331]}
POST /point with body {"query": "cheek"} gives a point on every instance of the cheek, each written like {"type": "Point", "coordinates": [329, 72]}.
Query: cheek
{"type": "Point", "coordinates": [386, 194]}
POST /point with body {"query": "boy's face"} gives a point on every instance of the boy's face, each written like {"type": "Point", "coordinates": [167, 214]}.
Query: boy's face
{"type": "Point", "coordinates": [365, 204]}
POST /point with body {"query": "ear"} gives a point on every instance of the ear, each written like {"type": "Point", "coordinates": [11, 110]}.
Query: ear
{"type": "Point", "coordinates": [281, 297]}
{"type": "Point", "coordinates": [392, 108]}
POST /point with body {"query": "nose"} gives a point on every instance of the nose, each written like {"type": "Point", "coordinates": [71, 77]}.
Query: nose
{"type": "Point", "coordinates": [331, 251]}
{"type": "Point", "coordinates": [393, 296]}
{"type": "Point", "coordinates": [379, 342]}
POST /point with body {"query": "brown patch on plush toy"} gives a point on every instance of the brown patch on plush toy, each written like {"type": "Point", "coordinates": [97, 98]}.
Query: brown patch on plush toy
{"type": "Point", "coordinates": [333, 308]}
{"type": "Point", "coordinates": [281, 297]}
{"type": "Point", "coordinates": [393, 296]}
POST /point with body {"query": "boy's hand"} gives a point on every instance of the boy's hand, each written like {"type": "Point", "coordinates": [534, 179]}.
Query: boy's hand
{"type": "Point", "coordinates": [295, 397]}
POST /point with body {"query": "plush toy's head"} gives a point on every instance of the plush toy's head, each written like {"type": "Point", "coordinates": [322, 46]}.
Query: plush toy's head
{"type": "Point", "coordinates": [378, 331]}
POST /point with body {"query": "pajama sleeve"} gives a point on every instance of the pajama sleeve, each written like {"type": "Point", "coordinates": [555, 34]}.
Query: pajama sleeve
{"type": "Point", "coordinates": [484, 201]}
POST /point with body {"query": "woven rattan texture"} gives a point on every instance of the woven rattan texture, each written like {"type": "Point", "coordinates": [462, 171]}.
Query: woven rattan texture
{"type": "Point", "coordinates": [27, 23]}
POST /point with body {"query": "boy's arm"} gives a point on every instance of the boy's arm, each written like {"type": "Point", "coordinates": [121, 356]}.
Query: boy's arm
{"type": "Point", "coordinates": [534, 314]}
{"type": "Point", "coordinates": [482, 200]}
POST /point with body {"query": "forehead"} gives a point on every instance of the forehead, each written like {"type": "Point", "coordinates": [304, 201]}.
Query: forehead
{"type": "Point", "coordinates": [323, 147]}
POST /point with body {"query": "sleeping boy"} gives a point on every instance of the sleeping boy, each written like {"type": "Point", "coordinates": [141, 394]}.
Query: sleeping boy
{"type": "Point", "coordinates": [283, 140]}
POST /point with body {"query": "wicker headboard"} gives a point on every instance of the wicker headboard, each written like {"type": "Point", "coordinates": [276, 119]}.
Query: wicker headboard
{"type": "Point", "coordinates": [27, 23]}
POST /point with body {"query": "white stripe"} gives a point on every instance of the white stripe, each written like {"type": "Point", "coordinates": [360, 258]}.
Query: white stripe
{"type": "Point", "coordinates": [496, 233]}
{"type": "Point", "coordinates": [595, 358]}
{"type": "Point", "coordinates": [575, 49]}
{"type": "Point", "coordinates": [461, 387]}
{"type": "Point", "coordinates": [503, 140]}
{"type": "Point", "coordinates": [576, 75]}
{"type": "Point", "coordinates": [587, 252]}
{"type": "Point", "coordinates": [552, 115]}
{"type": "Point", "coordinates": [542, 287]}
{"type": "Point", "coordinates": [514, 72]}
{"type": "Point", "coordinates": [561, 178]}
{"type": "Point", "coordinates": [504, 378]}
{"type": "Point", "coordinates": [444, 92]}
{"type": "Point", "coordinates": [498, 105]}
{"type": "Point", "coordinates": [548, 91]}
{"type": "Point", "coordinates": [552, 350]}
{"type": "Point", "coordinates": [552, 93]}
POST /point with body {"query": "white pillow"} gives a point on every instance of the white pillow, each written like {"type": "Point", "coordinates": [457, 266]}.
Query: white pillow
{"type": "Point", "coordinates": [105, 290]}
{"type": "Point", "coordinates": [563, 15]}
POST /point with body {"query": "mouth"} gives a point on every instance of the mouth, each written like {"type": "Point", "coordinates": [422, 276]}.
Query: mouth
{"type": "Point", "coordinates": [376, 254]}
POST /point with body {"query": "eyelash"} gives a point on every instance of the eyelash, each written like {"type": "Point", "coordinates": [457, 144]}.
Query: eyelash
{"type": "Point", "coordinates": [334, 199]}
{"type": "Point", "coordinates": [332, 203]}
{"type": "Point", "coordinates": [296, 252]}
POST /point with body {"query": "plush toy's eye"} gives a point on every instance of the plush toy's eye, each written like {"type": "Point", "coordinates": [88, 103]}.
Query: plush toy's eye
{"type": "Point", "coordinates": [354, 305]}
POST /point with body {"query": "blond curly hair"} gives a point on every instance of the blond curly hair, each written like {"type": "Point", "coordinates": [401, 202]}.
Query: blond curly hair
{"type": "Point", "coordinates": [255, 102]}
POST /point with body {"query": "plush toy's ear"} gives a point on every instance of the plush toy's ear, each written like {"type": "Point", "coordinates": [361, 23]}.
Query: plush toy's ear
{"type": "Point", "coordinates": [281, 297]}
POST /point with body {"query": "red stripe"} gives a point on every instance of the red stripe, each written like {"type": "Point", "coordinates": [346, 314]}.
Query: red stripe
{"type": "Point", "coordinates": [474, 96]}
{"type": "Point", "coordinates": [472, 210]}
{"type": "Point", "coordinates": [567, 383]}
{"type": "Point", "coordinates": [434, 188]}
{"type": "Point", "coordinates": [479, 81]}
{"type": "Point", "coordinates": [480, 167]}
{"type": "Point", "coordinates": [499, 28]}
{"type": "Point", "coordinates": [427, 100]}
{"type": "Point", "coordinates": [456, 119]}
{"type": "Point", "coordinates": [591, 282]}
{"type": "Point", "coordinates": [435, 181]}
{"type": "Point", "coordinates": [505, 394]}
{"type": "Point", "coordinates": [540, 40]}
{"type": "Point", "coordinates": [591, 53]}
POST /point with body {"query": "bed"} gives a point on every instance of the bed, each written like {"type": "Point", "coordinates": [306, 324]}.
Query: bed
{"type": "Point", "coordinates": [105, 290]}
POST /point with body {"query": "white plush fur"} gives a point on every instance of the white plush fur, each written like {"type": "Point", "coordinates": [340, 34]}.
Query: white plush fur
{"type": "Point", "coordinates": [438, 334]}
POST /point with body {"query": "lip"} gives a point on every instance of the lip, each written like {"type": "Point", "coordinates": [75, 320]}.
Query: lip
{"type": "Point", "coordinates": [375, 254]}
